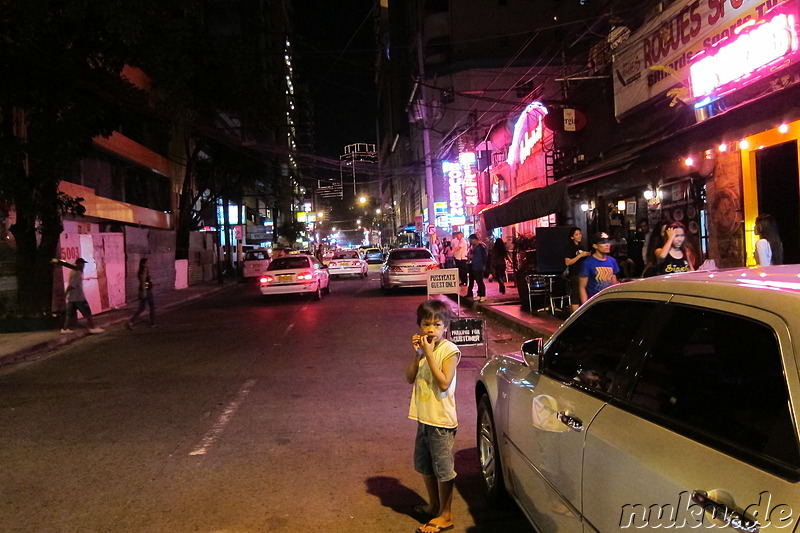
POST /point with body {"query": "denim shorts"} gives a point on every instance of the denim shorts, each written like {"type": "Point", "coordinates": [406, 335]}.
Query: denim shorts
{"type": "Point", "coordinates": [433, 452]}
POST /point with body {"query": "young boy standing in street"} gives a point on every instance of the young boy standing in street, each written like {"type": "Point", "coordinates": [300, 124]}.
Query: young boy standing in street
{"type": "Point", "coordinates": [432, 372]}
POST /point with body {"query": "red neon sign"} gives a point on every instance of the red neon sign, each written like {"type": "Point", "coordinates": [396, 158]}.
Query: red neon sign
{"type": "Point", "coordinates": [758, 45]}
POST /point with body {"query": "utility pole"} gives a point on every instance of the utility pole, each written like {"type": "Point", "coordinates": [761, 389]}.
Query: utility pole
{"type": "Point", "coordinates": [426, 136]}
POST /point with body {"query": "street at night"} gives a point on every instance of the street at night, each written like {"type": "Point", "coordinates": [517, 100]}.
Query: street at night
{"type": "Point", "coordinates": [237, 413]}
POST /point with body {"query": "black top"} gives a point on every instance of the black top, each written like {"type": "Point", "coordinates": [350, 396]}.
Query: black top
{"type": "Point", "coordinates": [571, 251]}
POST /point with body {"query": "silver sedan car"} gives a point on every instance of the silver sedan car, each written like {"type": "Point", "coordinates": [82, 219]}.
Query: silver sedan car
{"type": "Point", "coordinates": [407, 267]}
{"type": "Point", "coordinates": [670, 402]}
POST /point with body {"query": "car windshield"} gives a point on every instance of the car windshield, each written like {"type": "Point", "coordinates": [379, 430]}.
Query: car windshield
{"type": "Point", "coordinates": [373, 251]}
{"type": "Point", "coordinates": [399, 255]}
{"type": "Point", "coordinates": [287, 263]}
{"type": "Point", "coordinates": [347, 255]}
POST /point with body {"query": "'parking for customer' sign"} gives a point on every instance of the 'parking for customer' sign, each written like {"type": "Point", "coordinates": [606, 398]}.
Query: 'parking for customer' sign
{"type": "Point", "coordinates": [466, 331]}
{"type": "Point", "coordinates": [443, 281]}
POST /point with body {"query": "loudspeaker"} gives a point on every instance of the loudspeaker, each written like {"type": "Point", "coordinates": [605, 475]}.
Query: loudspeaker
{"type": "Point", "coordinates": [550, 245]}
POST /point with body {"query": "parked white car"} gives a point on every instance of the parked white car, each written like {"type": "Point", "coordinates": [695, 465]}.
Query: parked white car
{"type": "Point", "coordinates": [667, 402]}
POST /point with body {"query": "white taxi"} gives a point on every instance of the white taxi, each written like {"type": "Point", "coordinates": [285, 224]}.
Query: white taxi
{"type": "Point", "coordinates": [296, 274]}
{"type": "Point", "coordinates": [347, 262]}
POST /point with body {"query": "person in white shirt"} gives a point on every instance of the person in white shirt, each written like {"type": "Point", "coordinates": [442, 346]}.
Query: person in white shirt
{"type": "Point", "coordinates": [769, 247]}
{"type": "Point", "coordinates": [460, 251]}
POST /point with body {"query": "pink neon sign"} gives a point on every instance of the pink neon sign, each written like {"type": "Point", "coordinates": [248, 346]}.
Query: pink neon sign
{"type": "Point", "coordinates": [739, 60]}
{"type": "Point", "coordinates": [455, 180]}
{"type": "Point", "coordinates": [527, 132]}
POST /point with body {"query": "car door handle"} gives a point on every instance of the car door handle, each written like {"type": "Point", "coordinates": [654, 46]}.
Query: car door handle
{"type": "Point", "coordinates": [570, 421]}
{"type": "Point", "coordinates": [733, 517]}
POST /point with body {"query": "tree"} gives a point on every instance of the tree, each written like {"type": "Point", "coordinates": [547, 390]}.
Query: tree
{"type": "Point", "coordinates": [59, 67]}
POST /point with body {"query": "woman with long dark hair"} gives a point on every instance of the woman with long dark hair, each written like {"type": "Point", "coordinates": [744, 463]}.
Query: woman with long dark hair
{"type": "Point", "coordinates": [769, 247]}
{"type": "Point", "coordinates": [673, 256]}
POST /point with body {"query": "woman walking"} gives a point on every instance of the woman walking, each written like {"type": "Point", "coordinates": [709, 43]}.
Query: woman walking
{"type": "Point", "coordinates": [145, 295]}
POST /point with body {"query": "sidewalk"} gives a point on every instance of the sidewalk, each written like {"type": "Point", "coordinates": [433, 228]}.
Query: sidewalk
{"type": "Point", "coordinates": [506, 309]}
{"type": "Point", "coordinates": [28, 346]}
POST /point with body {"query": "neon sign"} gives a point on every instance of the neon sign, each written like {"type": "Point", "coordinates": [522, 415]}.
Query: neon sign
{"type": "Point", "coordinates": [470, 183]}
{"type": "Point", "coordinates": [455, 179]}
{"type": "Point", "coordinates": [527, 132]}
{"type": "Point", "coordinates": [762, 45]}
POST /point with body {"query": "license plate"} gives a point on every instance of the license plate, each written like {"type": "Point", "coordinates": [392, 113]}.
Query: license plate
{"type": "Point", "coordinates": [344, 263]}
{"type": "Point", "coordinates": [285, 277]}
{"type": "Point", "coordinates": [413, 270]}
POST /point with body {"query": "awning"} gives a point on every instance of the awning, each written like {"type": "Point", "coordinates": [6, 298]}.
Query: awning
{"type": "Point", "coordinates": [527, 205]}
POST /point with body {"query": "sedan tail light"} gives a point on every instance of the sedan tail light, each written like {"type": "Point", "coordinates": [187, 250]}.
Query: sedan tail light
{"type": "Point", "coordinates": [305, 275]}
{"type": "Point", "coordinates": [395, 269]}
{"type": "Point", "coordinates": [432, 267]}
{"type": "Point", "coordinates": [266, 279]}
{"type": "Point", "coordinates": [332, 264]}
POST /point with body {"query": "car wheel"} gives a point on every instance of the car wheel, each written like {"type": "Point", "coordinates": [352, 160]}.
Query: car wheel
{"type": "Point", "coordinates": [489, 453]}
{"type": "Point", "coordinates": [328, 287]}
{"type": "Point", "coordinates": [318, 292]}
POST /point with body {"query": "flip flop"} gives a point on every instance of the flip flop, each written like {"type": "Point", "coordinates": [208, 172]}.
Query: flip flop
{"type": "Point", "coordinates": [438, 529]}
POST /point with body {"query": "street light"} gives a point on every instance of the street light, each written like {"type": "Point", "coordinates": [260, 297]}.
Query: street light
{"type": "Point", "coordinates": [362, 200]}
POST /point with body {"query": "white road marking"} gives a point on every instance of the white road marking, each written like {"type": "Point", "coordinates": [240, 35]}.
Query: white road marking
{"type": "Point", "coordinates": [222, 421]}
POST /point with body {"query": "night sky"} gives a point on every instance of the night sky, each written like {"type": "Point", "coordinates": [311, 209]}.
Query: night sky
{"type": "Point", "coordinates": [336, 43]}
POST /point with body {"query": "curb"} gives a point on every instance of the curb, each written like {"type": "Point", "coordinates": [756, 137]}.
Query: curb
{"type": "Point", "coordinates": [517, 324]}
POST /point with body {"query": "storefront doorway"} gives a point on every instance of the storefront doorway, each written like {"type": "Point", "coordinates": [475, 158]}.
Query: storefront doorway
{"type": "Point", "coordinates": [778, 192]}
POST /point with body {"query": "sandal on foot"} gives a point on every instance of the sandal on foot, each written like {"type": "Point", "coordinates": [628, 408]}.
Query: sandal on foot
{"type": "Point", "coordinates": [437, 528]}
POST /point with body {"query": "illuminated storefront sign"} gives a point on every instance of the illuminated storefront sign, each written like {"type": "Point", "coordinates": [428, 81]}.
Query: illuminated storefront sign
{"type": "Point", "coordinates": [454, 173]}
{"type": "Point", "coordinates": [657, 56]}
{"type": "Point", "coordinates": [470, 183]}
{"type": "Point", "coordinates": [757, 46]}
{"type": "Point", "coordinates": [442, 215]}
{"type": "Point", "coordinates": [527, 132]}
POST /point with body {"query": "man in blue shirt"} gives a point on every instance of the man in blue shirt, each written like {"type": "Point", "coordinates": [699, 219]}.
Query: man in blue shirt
{"type": "Point", "coordinates": [599, 270]}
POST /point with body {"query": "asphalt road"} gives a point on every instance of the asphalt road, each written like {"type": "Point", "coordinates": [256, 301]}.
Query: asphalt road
{"type": "Point", "coordinates": [236, 414]}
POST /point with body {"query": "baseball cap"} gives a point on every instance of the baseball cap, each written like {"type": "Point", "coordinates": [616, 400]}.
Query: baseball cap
{"type": "Point", "coordinates": [80, 260]}
{"type": "Point", "coordinates": [600, 237]}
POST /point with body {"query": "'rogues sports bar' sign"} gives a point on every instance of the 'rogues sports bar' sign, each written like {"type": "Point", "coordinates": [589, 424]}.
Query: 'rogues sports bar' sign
{"type": "Point", "coordinates": [690, 31]}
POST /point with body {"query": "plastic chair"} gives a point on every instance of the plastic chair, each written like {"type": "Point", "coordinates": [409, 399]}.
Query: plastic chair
{"type": "Point", "coordinates": [538, 287]}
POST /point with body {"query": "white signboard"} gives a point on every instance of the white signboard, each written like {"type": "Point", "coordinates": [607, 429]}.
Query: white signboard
{"type": "Point", "coordinates": [657, 57]}
{"type": "Point", "coordinates": [443, 281]}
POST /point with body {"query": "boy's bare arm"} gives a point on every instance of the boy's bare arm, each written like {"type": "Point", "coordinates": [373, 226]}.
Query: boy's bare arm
{"type": "Point", "coordinates": [413, 366]}
{"type": "Point", "coordinates": [448, 372]}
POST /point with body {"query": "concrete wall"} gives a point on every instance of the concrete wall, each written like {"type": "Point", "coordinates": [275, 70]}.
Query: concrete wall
{"type": "Point", "coordinates": [159, 248]}
{"type": "Point", "coordinates": [202, 257]}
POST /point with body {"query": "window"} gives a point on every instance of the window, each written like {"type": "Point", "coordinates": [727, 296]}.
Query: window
{"type": "Point", "coordinates": [589, 351]}
{"type": "Point", "coordinates": [288, 263]}
{"type": "Point", "coordinates": [721, 376]}
{"type": "Point", "coordinates": [400, 255]}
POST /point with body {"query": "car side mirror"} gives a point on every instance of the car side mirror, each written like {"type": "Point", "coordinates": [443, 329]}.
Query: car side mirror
{"type": "Point", "coordinates": [532, 352]}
